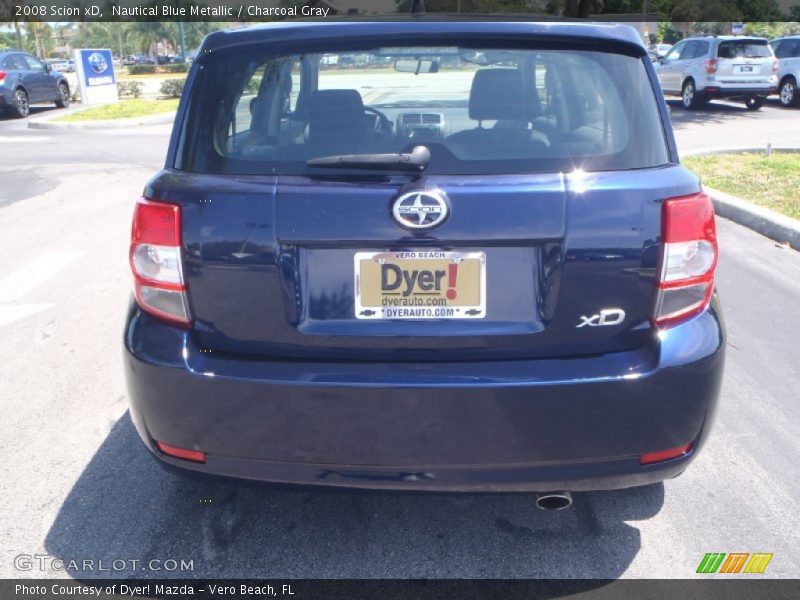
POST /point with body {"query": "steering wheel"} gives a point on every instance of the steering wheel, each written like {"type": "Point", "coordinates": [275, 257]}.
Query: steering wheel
{"type": "Point", "coordinates": [382, 123]}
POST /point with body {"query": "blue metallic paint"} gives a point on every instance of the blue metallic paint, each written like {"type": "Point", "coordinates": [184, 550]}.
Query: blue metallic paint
{"type": "Point", "coordinates": [533, 425]}
{"type": "Point", "coordinates": [298, 233]}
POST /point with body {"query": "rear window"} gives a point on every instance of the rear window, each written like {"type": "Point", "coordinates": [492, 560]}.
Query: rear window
{"type": "Point", "coordinates": [744, 49]}
{"type": "Point", "coordinates": [478, 110]}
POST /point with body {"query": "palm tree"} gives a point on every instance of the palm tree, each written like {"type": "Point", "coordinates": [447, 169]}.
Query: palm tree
{"type": "Point", "coordinates": [8, 16]}
{"type": "Point", "coordinates": [41, 35]}
{"type": "Point", "coordinates": [109, 35]}
{"type": "Point", "coordinates": [145, 34]}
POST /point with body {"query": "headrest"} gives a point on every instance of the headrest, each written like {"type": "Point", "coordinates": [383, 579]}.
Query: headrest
{"type": "Point", "coordinates": [335, 105]}
{"type": "Point", "coordinates": [499, 94]}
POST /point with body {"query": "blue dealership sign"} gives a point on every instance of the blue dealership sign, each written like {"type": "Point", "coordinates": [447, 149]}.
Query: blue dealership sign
{"type": "Point", "coordinates": [95, 68]}
{"type": "Point", "coordinates": [98, 68]}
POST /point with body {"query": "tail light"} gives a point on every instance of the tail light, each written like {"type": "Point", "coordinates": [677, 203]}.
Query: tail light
{"type": "Point", "coordinates": [711, 66]}
{"type": "Point", "coordinates": [155, 258]}
{"type": "Point", "coordinates": [2, 76]}
{"type": "Point", "coordinates": [686, 280]}
{"type": "Point", "coordinates": [774, 67]}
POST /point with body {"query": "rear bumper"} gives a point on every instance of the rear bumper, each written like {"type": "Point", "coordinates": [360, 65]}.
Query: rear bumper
{"type": "Point", "coordinates": [729, 91]}
{"type": "Point", "coordinates": [538, 425]}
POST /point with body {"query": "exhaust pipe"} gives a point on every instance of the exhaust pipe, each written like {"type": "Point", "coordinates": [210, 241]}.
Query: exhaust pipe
{"type": "Point", "coordinates": [554, 500]}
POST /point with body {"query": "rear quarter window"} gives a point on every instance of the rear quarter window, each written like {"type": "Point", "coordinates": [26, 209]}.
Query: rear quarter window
{"type": "Point", "coordinates": [787, 49]}
{"type": "Point", "coordinates": [489, 110]}
{"type": "Point", "coordinates": [700, 49]}
{"type": "Point", "coordinates": [15, 62]}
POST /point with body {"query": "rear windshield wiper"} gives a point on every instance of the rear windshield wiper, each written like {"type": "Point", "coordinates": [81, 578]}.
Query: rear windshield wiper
{"type": "Point", "coordinates": [416, 160]}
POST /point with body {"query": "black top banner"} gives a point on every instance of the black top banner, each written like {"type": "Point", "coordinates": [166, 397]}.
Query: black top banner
{"type": "Point", "coordinates": [251, 11]}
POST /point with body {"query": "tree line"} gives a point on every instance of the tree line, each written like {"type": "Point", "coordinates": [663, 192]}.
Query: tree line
{"type": "Point", "coordinates": [123, 39]}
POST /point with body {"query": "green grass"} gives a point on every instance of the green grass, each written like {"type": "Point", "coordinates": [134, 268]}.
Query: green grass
{"type": "Point", "coordinates": [124, 109]}
{"type": "Point", "coordinates": [143, 76]}
{"type": "Point", "coordinates": [773, 182]}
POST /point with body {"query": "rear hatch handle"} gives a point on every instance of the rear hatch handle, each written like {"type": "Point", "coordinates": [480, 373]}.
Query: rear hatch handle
{"type": "Point", "coordinates": [416, 160]}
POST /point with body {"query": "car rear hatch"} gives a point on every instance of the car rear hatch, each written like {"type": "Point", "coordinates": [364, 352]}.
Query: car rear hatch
{"type": "Point", "coordinates": [745, 62]}
{"type": "Point", "coordinates": [547, 249]}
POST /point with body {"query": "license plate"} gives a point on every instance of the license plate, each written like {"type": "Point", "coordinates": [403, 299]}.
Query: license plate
{"type": "Point", "coordinates": [744, 69]}
{"type": "Point", "coordinates": [422, 284]}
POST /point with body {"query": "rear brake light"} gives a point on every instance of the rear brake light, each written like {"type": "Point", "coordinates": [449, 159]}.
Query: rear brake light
{"type": "Point", "coordinates": [2, 75]}
{"type": "Point", "coordinates": [711, 66]}
{"type": "Point", "coordinates": [155, 257]}
{"type": "Point", "coordinates": [689, 259]}
{"type": "Point", "coordinates": [774, 67]}
{"type": "Point", "coordinates": [662, 455]}
{"type": "Point", "coordinates": [193, 455]}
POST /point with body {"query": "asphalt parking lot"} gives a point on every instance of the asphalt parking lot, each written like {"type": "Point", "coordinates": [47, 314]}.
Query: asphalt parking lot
{"type": "Point", "coordinates": [77, 484]}
{"type": "Point", "coordinates": [721, 124]}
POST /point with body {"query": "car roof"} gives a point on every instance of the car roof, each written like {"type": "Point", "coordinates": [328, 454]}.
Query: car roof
{"type": "Point", "coordinates": [725, 38]}
{"type": "Point", "coordinates": [298, 31]}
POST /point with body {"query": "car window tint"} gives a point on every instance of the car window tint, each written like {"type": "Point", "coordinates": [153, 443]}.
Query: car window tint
{"type": "Point", "coordinates": [784, 49]}
{"type": "Point", "coordinates": [294, 93]}
{"type": "Point", "coordinates": [242, 117]}
{"type": "Point", "coordinates": [488, 110]}
{"type": "Point", "coordinates": [33, 63]}
{"type": "Point", "coordinates": [16, 62]}
{"type": "Point", "coordinates": [700, 49]}
{"type": "Point", "coordinates": [687, 51]}
{"type": "Point", "coordinates": [744, 49]}
{"type": "Point", "coordinates": [675, 53]}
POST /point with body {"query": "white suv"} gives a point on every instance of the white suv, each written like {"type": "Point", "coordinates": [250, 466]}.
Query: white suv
{"type": "Point", "coordinates": [787, 51]}
{"type": "Point", "coordinates": [735, 67]}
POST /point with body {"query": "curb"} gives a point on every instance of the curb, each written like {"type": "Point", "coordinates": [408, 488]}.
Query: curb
{"type": "Point", "coordinates": [765, 221]}
{"type": "Point", "coordinates": [46, 121]}
{"type": "Point", "coordinates": [734, 149]}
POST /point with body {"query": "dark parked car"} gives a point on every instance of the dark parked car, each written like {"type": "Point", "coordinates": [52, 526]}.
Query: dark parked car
{"type": "Point", "coordinates": [137, 59]}
{"type": "Point", "coordinates": [491, 277]}
{"type": "Point", "coordinates": [26, 80]}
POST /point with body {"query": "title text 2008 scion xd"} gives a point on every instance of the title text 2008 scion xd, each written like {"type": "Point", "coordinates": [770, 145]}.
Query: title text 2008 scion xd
{"type": "Point", "coordinates": [452, 256]}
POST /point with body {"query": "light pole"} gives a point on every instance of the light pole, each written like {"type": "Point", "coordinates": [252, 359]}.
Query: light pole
{"type": "Point", "coordinates": [183, 40]}
{"type": "Point", "coordinates": [181, 34]}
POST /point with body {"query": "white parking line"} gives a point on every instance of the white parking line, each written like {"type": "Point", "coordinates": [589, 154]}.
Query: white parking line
{"type": "Point", "coordinates": [22, 281]}
{"type": "Point", "coordinates": [16, 286]}
{"type": "Point", "coordinates": [14, 312]}
{"type": "Point", "coordinates": [9, 139]}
